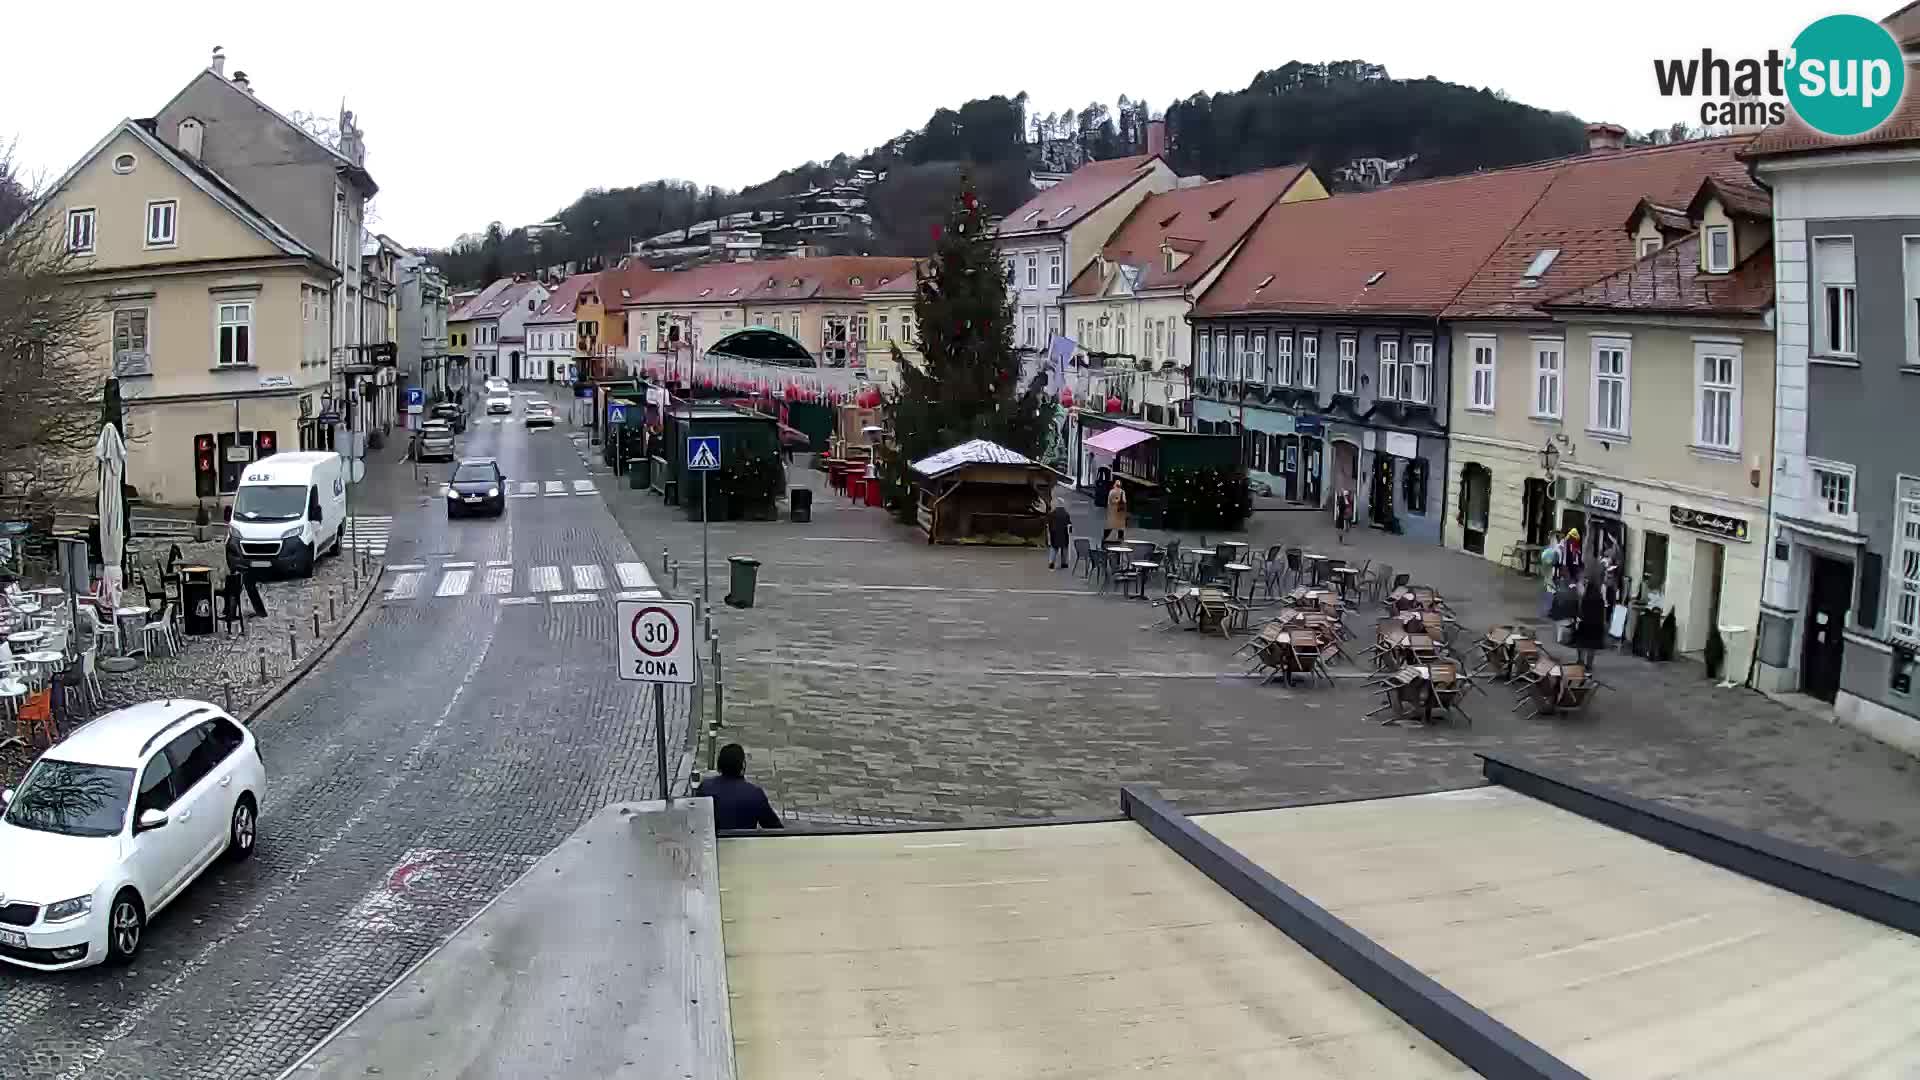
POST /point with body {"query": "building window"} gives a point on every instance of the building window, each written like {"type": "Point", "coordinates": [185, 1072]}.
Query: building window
{"type": "Point", "coordinates": [1719, 249]}
{"type": "Point", "coordinates": [1282, 360]}
{"type": "Point", "coordinates": [1649, 245]}
{"type": "Point", "coordinates": [1906, 533]}
{"type": "Point", "coordinates": [1415, 486]}
{"type": "Point", "coordinates": [1310, 360]}
{"type": "Point", "coordinates": [1205, 355]}
{"type": "Point", "coordinates": [1349, 365]}
{"type": "Point", "coordinates": [130, 353]}
{"type": "Point", "coordinates": [1653, 562]}
{"type": "Point", "coordinates": [80, 232]}
{"type": "Point", "coordinates": [1419, 375]}
{"type": "Point", "coordinates": [1240, 365]}
{"type": "Point", "coordinates": [1389, 368]}
{"type": "Point", "coordinates": [1033, 328]}
{"type": "Point", "coordinates": [883, 329]}
{"type": "Point", "coordinates": [1612, 396]}
{"type": "Point", "coordinates": [1033, 271]}
{"type": "Point", "coordinates": [160, 222]}
{"type": "Point", "coordinates": [1222, 360]}
{"type": "Point", "coordinates": [1120, 335]}
{"type": "Point", "coordinates": [1833, 492]}
{"type": "Point", "coordinates": [1260, 358]}
{"type": "Point", "coordinates": [236, 333]}
{"type": "Point", "coordinates": [1008, 263]}
{"type": "Point", "coordinates": [1053, 324]}
{"type": "Point", "coordinates": [1833, 270]}
{"type": "Point", "coordinates": [1717, 396]}
{"type": "Point", "coordinates": [1481, 372]}
{"type": "Point", "coordinates": [1546, 379]}
{"type": "Point", "coordinates": [1053, 269]}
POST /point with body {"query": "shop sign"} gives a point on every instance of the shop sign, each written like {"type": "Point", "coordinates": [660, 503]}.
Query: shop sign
{"type": "Point", "coordinates": [1309, 425]}
{"type": "Point", "coordinates": [1402, 445]}
{"type": "Point", "coordinates": [1604, 499]}
{"type": "Point", "coordinates": [306, 406]}
{"type": "Point", "coordinates": [1702, 521]}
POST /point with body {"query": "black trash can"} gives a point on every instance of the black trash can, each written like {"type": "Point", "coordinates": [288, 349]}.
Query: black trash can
{"type": "Point", "coordinates": [196, 598]}
{"type": "Point", "coordinates": [637, 473]}
{"type": "Point", "coordinates": [800, 504]}
{"type": "Point", "coordinates": [745, 572]}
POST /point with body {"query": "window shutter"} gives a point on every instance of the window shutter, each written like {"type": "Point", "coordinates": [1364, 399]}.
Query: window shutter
{"type": "Point", "coordinates": [1833, 261]}
{"type": "Point", "coordinates": [1866, 610]}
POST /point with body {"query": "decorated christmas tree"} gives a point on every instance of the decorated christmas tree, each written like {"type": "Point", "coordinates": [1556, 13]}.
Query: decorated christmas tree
{"type": "Point", "coordinates": [967, 384]}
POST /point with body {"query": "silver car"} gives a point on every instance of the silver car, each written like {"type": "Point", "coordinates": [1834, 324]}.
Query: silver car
{"type": "Point", "coordinates": [436, 441]}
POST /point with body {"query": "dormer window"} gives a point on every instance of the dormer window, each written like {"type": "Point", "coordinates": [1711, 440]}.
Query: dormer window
{"type": "Point", "coordinates": [1719, 249]}
{"type": "Point", "coordinates": [854, 280]}
{"type": "Point", "coordinates": [1649, 245]}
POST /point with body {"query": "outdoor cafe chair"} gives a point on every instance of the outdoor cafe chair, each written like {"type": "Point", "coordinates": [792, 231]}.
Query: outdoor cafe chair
{"type": "Point", "coordinates": [160, 628]}
{"type": "Point", "coordinates": [1375, 582]}
{"type": "Point", "coordinates": [1176, 608]}
{"type": "Point", "coordinates": [1170, 561]}
{"type": "Point", "coordinates": [1270, 631]}
{"type": "Point", "coordinates": [1295, 571]}
{"type": "Point", "coordinates": [1082, 554]}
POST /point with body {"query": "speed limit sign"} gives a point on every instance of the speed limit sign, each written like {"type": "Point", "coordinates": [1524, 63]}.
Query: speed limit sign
{"type": "Point", "coordinates": [656, 640]}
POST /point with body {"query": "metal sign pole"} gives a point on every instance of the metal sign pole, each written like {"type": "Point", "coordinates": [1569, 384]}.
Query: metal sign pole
{"type": "Point", "coordinates": [706, 519]}
{"type": "Point", "coordinates": [660, 738]}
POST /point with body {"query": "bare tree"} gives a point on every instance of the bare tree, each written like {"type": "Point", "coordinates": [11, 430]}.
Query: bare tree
{"type": "Point", "coordinates": [49, 410]}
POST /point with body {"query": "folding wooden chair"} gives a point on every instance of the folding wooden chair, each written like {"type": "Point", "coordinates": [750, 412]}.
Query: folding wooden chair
{"type": "Point", "coordinates": [1176, 612]}
{"type": "Point", "coordinates": [1270, 631]}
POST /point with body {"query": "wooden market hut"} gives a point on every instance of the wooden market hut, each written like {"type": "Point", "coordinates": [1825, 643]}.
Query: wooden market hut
{"type": "Point", "coordinates": [982, 493]}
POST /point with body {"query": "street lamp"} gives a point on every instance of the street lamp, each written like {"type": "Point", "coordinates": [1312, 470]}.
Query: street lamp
{"type": "Point", "coordinates": [1549, 457]}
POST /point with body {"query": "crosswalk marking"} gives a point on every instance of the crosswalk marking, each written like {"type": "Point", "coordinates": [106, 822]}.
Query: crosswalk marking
{"type": "Point", "coordinates": [556, 487]}
{"type": "Point", "coordinates": [453, 583]}
{"type": "Point", "coordinates": [634, 575]}
{"type": "Point", "coordinates": [400, 567]}
{"type": "Point", "coordinates": [573, 598]}
{"type": "Point", "coordinates": [499, 562]}
{"type": "Point", "coordinates": [456, 566]}
{"type": "Point", "coordinates": [587, 576]}
{"type": "Point", "coordinates": [368, 533]}
{"type": "Point", "coordinates": [404, 587]}
{"type": "Point", "coordinates": [499, 580]}
{"type": "Point", "coordinates": [529, 487]}
{"type": "Point", "coordinates": [544, 579]}
{"type": "Point", "coordinates": [584, 487]}
{"type": "Point", "coordinates": [505, 600]}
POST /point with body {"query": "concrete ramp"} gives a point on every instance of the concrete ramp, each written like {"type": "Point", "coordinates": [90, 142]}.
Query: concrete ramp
{"type": "Point", "coordinates": [603, 961]}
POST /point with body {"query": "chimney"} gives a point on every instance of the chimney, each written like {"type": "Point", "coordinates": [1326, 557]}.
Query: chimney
{"type": "Point", "coordinates": [219, 65]}
{"type": "Point", "coordinates": [240, 80]}
{"type": "Point", "coordinates": [1156, 137]}
{"type": "Point", "coordinates": [1604, 137]}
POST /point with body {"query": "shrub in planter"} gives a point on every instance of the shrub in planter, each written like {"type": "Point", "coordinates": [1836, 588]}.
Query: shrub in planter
{"type": "Point", "coordinates": [1207, 497]}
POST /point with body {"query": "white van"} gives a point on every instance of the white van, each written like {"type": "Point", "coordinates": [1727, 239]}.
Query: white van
{"type": "Point", "coordinates": [289, 510]}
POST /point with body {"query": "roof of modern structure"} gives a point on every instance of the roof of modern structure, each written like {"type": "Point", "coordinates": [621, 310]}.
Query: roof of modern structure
{"type": "Point", "coordinates": [974, 452]}
{"type": "Point", "coordinates": [1206, 222]}
{"type": "Point", "coordinates": [1068, 202]}
{"type": "Point", "coordinates": [559, 304]}
{"type": "Point", "coordinates": [1578, 215]}
{"type": "Point", "coordinates": [1670, 282]}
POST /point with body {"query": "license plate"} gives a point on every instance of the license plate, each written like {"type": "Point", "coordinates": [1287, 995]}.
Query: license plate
{"type": "Point", "coordinates": [473, 498]}
{"type": "Point", "coordinates": [260, 562]}
{"type": "Point", "coordinates": [8, 937]}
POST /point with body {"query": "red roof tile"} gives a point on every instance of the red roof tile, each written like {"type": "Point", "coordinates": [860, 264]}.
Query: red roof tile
{"type": "Point", "coordinates": [560, 302]}
{"type": "Point", "coordinates": [1579, 214]}
{"type": "Point", "coordinates": [1425, 239]}
{"type": "Point", "coordinates": [1795, 137]}
{"type": "Point", "coordinates": [830, 277]}
{"type": "Point", "coordinates": [1205, 222]}
{"type": "Point", "coordinates": [471, 309]}
{"type": "Point", "coordinates": [1904, 25]}
{"type": "Point", "coordinates": [1670, 281]}
{"type": "Point", "coordinates": [1064, 204]}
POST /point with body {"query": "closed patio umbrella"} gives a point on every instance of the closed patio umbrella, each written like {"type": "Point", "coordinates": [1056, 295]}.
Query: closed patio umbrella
{"type": "Point", "coordinates": [110, 457]}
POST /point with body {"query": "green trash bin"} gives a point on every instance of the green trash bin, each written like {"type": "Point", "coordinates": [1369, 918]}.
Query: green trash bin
{"type": "Point", "coordinates": [745, 572]}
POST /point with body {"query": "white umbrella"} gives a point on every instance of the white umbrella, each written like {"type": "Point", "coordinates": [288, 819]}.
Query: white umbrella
{"type": "Point", "coordinates": [110, 454]}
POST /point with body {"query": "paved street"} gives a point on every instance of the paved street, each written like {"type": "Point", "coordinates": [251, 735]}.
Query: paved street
{"type": "Point", "coordinates": [449, 740]}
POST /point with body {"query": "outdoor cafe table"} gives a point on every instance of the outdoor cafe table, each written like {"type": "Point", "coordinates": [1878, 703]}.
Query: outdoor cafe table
{"type": "Point", "coordinates": [1201, 556]}
{"type": "Point", "coordinates": [1527, 558]}
{"type": "Point", "coordinates": [45, 662]}
{"type": "Point", "coordinates": [1295, 653]}
{"type": "Point", "coordinates": [1237, 570]}
{"type": "Point", "coordinates": [26, 639]}
{"type": "Point", "coordinates": [1117, 556]}
{"type": "Point", "coordinates": [1206, 606]}
{"type": "Point", "coordinates": [131, 620]}
{"type": "Point", "coordinates": [1345, 577]}
{"type": "Point", "coordinates": [50, 595]}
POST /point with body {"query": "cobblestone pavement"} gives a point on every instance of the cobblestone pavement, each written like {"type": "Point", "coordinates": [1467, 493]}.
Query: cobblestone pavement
{"type": "Point", "coordinates": [882, 679]}
{"type": "Point", "coordinates": [445, 744]}
{"type": "Point", "coordinates": [225, 669]}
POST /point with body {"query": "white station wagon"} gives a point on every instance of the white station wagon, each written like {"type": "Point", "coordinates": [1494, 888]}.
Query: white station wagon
{"type": "Point", "coordinates": [114, 823]}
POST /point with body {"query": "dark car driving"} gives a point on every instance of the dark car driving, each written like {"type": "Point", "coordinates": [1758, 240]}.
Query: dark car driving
{"type": "Point", "coordinates": [453, 413]}
{"type": "Point", "coordinates": [477, 487]}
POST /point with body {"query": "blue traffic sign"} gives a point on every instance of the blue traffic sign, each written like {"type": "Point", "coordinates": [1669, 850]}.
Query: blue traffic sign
{"type": "Point", "coordinates": [617, 413]}
{"type": "Point", "coordinates": [703, 453]}
{"type": "Point", "coordinates": [416, 395]}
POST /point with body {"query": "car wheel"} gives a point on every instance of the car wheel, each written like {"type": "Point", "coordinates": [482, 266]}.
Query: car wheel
{"type": "Point", "coordinates": [243, 830]}
{"type": "Point", "coordinates": [126, 925]}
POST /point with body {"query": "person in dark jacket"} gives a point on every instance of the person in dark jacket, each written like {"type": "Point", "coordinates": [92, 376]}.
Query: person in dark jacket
{"type": "Point", "coordinates": [1059, 530]}
{"type": "Point", "coordinates": [1590, 630]}
{"type": "Point", "coordinates": [738, 803]}
{"type": "Point", "coordinates": [237, 569]}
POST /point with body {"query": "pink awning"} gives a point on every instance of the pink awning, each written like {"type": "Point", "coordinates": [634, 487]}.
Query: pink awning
{"type": "Point", "coordinates": [1115, 439]}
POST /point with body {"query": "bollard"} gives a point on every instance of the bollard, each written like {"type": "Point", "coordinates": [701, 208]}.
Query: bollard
{"type": "Point", "coordinates": [263, 665]}
{"type": "Point", "coordinates": [673, 569]}
{"type": "Point", "coordinates": [333, 611]}
{"type": "Point", "coordinates": [666, 560]}
{"type": "Point", "coordinates": [228, 687]}
{"type": "Point", "coordinates": [293, 648]}
{"type": "Point", "coordinates": [316, 622]}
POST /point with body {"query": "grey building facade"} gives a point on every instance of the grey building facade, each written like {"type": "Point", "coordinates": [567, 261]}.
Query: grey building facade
{"type": "Point", "coordinates": [1840, 616]}
{"type": "Point", "coordinates": [422, 344]}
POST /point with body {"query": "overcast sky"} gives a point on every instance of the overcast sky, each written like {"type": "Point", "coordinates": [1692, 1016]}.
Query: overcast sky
{"type": "Point", "coordinates": [478, 112]}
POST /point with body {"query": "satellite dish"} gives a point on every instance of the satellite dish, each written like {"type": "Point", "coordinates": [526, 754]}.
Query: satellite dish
{"type": "Point", "coordinates": [357, 468]}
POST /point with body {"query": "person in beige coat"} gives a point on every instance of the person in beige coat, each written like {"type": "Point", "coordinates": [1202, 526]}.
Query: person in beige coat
{"type": "Point", "coordinates": [1116, 515]}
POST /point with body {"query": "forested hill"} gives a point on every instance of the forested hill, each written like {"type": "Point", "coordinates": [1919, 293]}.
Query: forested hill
{"type": "Point", "coordinates": [1350, 120]}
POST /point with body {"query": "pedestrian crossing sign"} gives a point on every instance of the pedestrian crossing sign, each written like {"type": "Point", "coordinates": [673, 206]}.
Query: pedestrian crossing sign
{"type": "Point", "coordinates": [703, 453]}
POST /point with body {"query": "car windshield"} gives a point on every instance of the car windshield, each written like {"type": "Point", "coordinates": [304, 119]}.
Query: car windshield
{"type": "Point", "coordinates": [73, 799]}
{"type": "Point", "coordinates": [473, 473]}
{"type": "Point", "coordinates": [270, 502]}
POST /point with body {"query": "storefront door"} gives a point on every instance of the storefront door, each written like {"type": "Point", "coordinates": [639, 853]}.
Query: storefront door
{"type": "Point", "coordinates": [1290, 466]}
{"type": "Point", "coordinates": [1476, 492]}
{"type": "Point", "coordinates": [1310, 466]}
{"type": "Point", "coordinates": [1381, 509]}
{"type": "Point", "coordinates": [1828, 595]}
{"type": "Point", "coordinates": [1537, 504]}
{"type": "Point", "coordinates": [1346, 467]}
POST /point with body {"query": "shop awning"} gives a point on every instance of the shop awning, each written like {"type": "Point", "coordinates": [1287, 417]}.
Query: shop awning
{"type": "Point", "coordinates": [1115, 439]}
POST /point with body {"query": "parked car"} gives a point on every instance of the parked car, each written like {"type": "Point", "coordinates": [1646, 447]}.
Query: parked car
{"type": "Point", "coordinates": [497, 384]}
{"type": "Point", "coordinates": [436, 441]}
{"type": "Point", "coordinates": [539, 414]}
{"type": "Point", "coordinates": [454, 413]}
{"type": "Point", "coordinates": [499, 404]}
{"type": "Point", "coordinates": [477, 487]}
{"type": "Point", "coordinates": [113, 824]}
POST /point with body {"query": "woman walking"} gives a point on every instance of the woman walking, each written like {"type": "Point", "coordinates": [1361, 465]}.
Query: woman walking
{"type": "Point", "coordinates": [1590, 629]}
{"type": "Point", "coordinates": [1116, 515]}
{"type": "Point", "coordinates": [1343, 512]}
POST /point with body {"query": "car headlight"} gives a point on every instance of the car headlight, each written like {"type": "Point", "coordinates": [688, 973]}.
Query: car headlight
{"type": "Point", "coordinates": [493, 493]}
{"type": "Point", "coordinates": [293, 532]}
{"type": "Point", "coordinates": [451, 494]}
{"type": "Point", "coordinates": [68, 910]}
